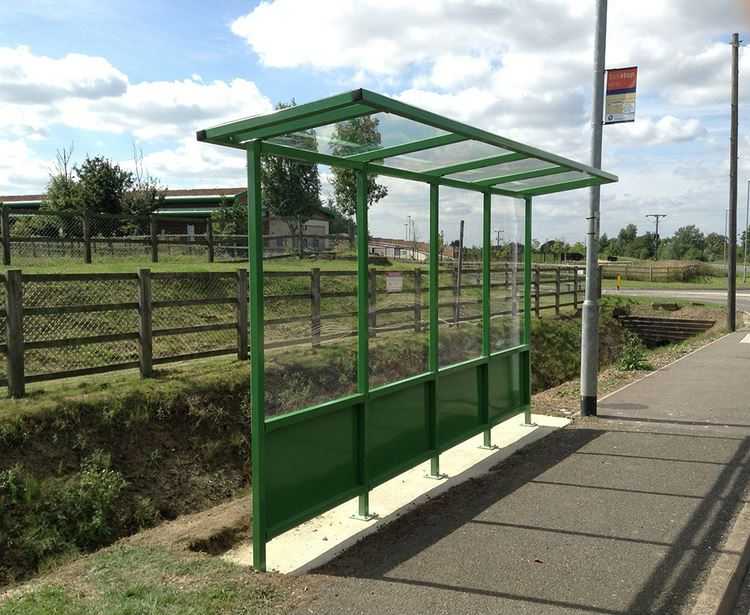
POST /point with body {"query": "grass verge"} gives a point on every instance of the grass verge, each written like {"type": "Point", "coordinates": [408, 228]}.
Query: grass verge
{"type": "Point", "coordinates": [129, 580]}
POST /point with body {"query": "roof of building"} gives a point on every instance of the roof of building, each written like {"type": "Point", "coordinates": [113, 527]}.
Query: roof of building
{"type": "Point", "coordinates": [198, 193]}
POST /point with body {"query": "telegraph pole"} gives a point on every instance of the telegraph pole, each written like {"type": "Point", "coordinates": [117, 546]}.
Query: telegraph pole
{"type": "Point", "coordinates": [590, 311]}
{"type": "Point", "coordinates": [732, 232]}
{"type": "Point", "coordinates": [747, 221]}
{"type": "Point", "coordinates": [656, 217]}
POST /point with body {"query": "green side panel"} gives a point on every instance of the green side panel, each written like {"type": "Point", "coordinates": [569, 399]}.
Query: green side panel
{"type": "Point", "coordinates": [458, 403]}
{"type": "Point", "coordinates": [397, 429]}
{"type": "Point", "coordinates": [505, 385]}
{"type": "Point", "coordinates": [309, 464]}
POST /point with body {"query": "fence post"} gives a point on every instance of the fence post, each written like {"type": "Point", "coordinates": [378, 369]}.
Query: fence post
{"type": "Point", "coordinates": [14, 324]}
{"type": "Point", "coordinates": [537, 289]}
{"type": "Point", "coordinates": [650, 273]}
{"type": "Point", "coordinates": [210, 240]}
{"type": "Point", "coordinates": [417, 300]}
{"type": "Point", "coordinates": [507, 271]}
{"type": "Point", "coordinates": [154, 227]}
{"type": "Point", "coordinates": [315, 307]}
{"type": "Point", "coordinates": [557, 291]}
{"type": "Point", "coordinates": [145, 337]}
{"type": "Point", "coordinates": [242, 314]}
{"type": "Point", "coordinates": [5, 214]}
{"type": "Point", "coordinates": [626, 272]}
{"type": "Point", "coordinates": [372, 296]}
{"type": "Point", "coordinates": [86, 238]}
{"type": "Point", "coordinates": [575, 288]}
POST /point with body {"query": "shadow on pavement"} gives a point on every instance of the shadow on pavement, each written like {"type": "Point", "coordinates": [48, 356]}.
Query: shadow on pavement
{"type": "Point", "coordinates": [476, 548]}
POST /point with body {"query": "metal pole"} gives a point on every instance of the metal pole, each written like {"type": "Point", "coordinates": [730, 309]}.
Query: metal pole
{"type": "Point", "coordinates": [732, 269]}
{"type": "Point", "coordinates": [590, 309]}
{"type": "Point", "coordinates": [656, 217]}
{"type": "Point", "coordinates": [257, 382]}
{"type": "Point", "coordinates": [747, 215]}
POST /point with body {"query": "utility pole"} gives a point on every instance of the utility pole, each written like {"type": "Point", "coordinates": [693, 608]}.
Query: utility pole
{"type": "Point", "coordinates": [747, 215]}
{"type": "Point", "coordinates": [498, 233]}
{"type": "Point", "coordinates": [656, 217]}
{"type": "Point", "coordinates": [590, 309]}
{"type": "Point", "coordinates": [732, 269]}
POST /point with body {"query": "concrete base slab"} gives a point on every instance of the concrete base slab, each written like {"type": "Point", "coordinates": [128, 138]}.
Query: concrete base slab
{"type": "Point", "coordinates": [319, 540]}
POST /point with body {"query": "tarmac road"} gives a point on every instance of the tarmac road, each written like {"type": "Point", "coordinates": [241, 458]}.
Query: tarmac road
{"type": "Point", "coordinates": [710, 296]}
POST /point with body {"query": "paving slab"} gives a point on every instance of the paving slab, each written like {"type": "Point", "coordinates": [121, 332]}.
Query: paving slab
{"type": "Point", "coordinates": [619, 514]}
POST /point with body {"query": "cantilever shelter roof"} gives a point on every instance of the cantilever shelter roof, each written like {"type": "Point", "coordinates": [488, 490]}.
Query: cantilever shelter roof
{"type": "Point", "coordinates": [411, 143]}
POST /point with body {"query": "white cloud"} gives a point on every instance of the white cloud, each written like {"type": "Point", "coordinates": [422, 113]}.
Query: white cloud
{"type": "Point", "coordinates": [668, 129]}
{"type": "Point", "coordinates": [195, 165]}
{"type": "Point", "coordinates": [30, 79]}
{"type": "Point", "coordinates": [167, 108]}
{"type": "Point", "coordinates": [21, 170]}
{"type": "Point", "coordinates": [385, 37]}
{"type": "Point", "coordinates": [86, 92]}
{"type": "Point", "coordinates": [449, 71]}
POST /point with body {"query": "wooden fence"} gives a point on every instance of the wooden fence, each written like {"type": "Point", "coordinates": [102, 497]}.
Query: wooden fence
{"type": "Point", "coordinates": [67, 325]}
{"type": "Point", "coordinates": [94, 237]}
{"type": "Point", "coordinates": [652, 272]}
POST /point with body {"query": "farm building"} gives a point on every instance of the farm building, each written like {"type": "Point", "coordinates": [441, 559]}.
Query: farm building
{"type": "Point", "coordinates": [186, 211]}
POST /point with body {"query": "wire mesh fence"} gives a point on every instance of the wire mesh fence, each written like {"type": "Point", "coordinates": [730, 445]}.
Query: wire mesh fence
{"type": "Point", "coordinates": [64, 325]}
{"type": "Point", "coordinates": [31, 239]}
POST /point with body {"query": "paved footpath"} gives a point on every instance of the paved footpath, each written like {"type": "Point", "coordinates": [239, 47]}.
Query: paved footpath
{"type": "Point", "coordinates": [619, 514]}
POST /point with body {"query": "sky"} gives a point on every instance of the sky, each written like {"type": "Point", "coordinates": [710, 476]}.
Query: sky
{"type": "Point", "coordinates": [108, 77]}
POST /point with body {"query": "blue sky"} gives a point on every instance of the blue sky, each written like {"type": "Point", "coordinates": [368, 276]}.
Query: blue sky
{"type": "Point", "coordinates": [105, 75]}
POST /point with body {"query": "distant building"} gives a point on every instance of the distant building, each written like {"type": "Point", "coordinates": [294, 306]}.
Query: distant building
{"type": "Point", "coordinates": [186, 212]}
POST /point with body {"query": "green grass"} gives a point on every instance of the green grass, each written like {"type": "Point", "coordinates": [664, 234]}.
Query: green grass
{"type": "Point", "coordinates": [130, 265]}
{"type": "Point", "coordinates": [128, 580]}
{"type": "Point", "coordinates": [703, 283]}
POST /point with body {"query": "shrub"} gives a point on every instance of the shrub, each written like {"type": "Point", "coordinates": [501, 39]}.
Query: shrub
{"type": "Point", "coordinates": [633, 356]}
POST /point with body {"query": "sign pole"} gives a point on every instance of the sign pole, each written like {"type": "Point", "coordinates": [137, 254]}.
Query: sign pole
{"type": "Point", "coordinates": [732, 231]}
{"type": "Point", "coordinates": [590, 309]}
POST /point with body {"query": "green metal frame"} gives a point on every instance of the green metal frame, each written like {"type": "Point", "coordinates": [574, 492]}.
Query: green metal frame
{"type": "Point", "coordinates": [308, 461]}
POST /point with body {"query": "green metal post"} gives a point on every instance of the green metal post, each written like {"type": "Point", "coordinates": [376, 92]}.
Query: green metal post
{"type": "Point", "coordinates": [433, 358]}
{"type": "Point", "coordinates": [486, 341]}
{"type": "Point", "coordinates": [527, 302]}
{"type": "Point", "coordinates": [363, 339]}
{"type": "Point", "coordinates": [255, 252]}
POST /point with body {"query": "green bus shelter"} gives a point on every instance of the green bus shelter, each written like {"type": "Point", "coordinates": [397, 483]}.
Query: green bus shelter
{"type": "Point", "coordinates": [311, 459]}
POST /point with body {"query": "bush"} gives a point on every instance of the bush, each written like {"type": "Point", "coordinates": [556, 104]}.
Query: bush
{"type": "Point", "coordinates": [42, 519]}
{"type": "Point", "coordinates": [633, 356]}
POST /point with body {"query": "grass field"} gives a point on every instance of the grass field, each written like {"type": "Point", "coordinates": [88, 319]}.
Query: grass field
{"type": "Point", "coordinates": [703, 283]}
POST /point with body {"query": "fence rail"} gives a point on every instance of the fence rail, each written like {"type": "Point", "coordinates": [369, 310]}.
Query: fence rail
{"type": "Point", "coordinates": [65, 325]}
{"type": "Point", "coordinates": [27, 238]}
{"type": "Point", "coordinates": [655, 272]}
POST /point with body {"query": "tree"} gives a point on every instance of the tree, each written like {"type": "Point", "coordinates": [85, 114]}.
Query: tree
{"type": "Point", "coordinates": [291, 189]}
{"type": "Point", "coordinates": [688, 242]}
{"type": "Point", "coordinates": [145, 194]}
{"type": "Point", "coordinates": [714, 247]}
{"type": "Point", "coordinates": [349, 137]}
{"type": "Point", "coordinates": [63, 192]}
{"type": "Point", "coordinates": [102, 184]}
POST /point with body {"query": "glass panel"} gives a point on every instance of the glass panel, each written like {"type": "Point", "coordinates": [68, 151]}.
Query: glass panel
{"type": "Point", "coordinates": [549, 180]}
{"type": "Point", "coordinates": [399, 255]}
{"type": "Point", "coordinates": [460, 286]}
{"type": "Point", "coordinates": [444, 155]}
{"type": "Point", "coordinates": [506, 277]}
{"type": "Point", "coordinates": [310, 318]}
{"type": "Point", "coordinates": [499, 170]}
{"type": "Point", "coordinates": [360, 135]}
